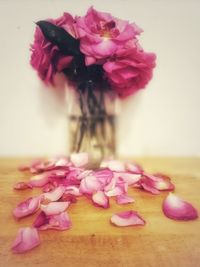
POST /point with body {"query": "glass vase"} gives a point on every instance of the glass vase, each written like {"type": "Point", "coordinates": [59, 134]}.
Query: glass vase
{"type": "Point", "coordinates": [92, 123]}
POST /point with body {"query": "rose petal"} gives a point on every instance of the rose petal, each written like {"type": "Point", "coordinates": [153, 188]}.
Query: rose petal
{"type": "Point", "coordinates": [124, 199]}
{"type": "Point", "coordinates": [55, 194]}
{"type": "Point", "coordinates": [54, 208]}
{"type": "Point", "coordinates": [178, 209]}
{"type": "Point", "coordinates": [27, 207]}
{"type": "Point", "coordinates": [129, 178]}
{"type": "Point", "coordinates": [57, 222]}
{"type": "Point", "coordinates": [134, 168]}
{"type": "Point", "coordinates": [90, 184]}
{"type": "Point", "coordinates": [22, 186]}
{"type": "Point", "coordinates": [26, 239]}
{"type": "Point", "coordinates": [113, 165]}
{"type": "Point", "coordinates": [127, 218]}
{"type": "Point", "coordinates": [39, 180]}
{"type": "Point", "coordinates": [79, 159]}
{"type": "Point", "coordinates": [100, 199]}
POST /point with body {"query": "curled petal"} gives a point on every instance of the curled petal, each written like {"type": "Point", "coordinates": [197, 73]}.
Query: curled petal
{"type": "Point", "coordinates": [26, 239]}
{"type": "Point", "coordinates": [124, 199]}
{"type": "Point", "coordinates": [27, 207]}
{"type": "Point", "coordinates": [55, 194]}
{"type": "Point", "coordinates": [129, 178]}
{"type": "Point", "coordinates": [54, 208]}
{"type": "Point", "coordinates": [134, 168]}
{"type": "Point", "coordinates": [178, 209]}
{"type": "Point", "coordinates": [79, 159]}
{"type": "Point", "coordinates": [127, 218]}
{"type": "Point", "coordinates": [22, 186]}
{"type": "Point", "coordinates": [58, 222]}
{"type": "Point", "coordinates": [39, 180]}
{"type": "Point", "coordinates": [113, 165]}
{"type": "Point", "coordinates": [100, 199]}
{"type": "Point", "coordinates": [90, 184]}
{"type": "Point", "coordinates": [73, 190]}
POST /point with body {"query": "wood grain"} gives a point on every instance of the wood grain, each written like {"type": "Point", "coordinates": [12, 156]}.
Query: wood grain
{"type": "Point", "coordinates": [93, 241]}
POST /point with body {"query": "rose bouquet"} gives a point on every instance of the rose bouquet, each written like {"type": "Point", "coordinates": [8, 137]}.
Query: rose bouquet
{"type": "Point", "coordinates": [100, 55]}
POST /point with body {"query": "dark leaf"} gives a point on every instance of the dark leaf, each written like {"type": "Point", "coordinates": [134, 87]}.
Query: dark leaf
{"type": "Point", "coordinates": [67, 44]}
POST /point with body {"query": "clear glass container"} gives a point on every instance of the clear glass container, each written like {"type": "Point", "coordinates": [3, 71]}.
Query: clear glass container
{"type": "Point", "coordinates": [92, 123]}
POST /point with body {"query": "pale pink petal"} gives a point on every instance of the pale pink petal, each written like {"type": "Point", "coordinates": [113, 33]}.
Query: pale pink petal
{"type": "Point", "coordinates": [54, 208]}
{"type": "Point", "coordinates": [100, 199]}
{"type": "Point", "coordinates": [27, 207]}
{"type": "Point", "coordinates": [56, 222]}
{"type": "Point", "coordinates": [79, 159]}
{"type": "Point", "coordinates": [90, 184]}
{"type": "Point", "coordinates": [104, 176]}
{"type": "Point", "coordinates": [134, 168]}
{"type": "Point", "coordinates": [178, 209]}
{"type": "Point", "coordinates": [113, 165]}
{"type": "Point", "coordinates": [120, 188]}
{"type": "Point", "coordinates": [127, 218]}
{"type": "Point", "coordinates": [124, 199]}
{"type": "Point", "coordinates": [73, 190]}
{"type": "Point", "coordinates": [39, 180]}
{"type": "Point", "coordinates": [22, 186]}
{"type": "Point", "coordinates": [129, 178]}
{"type": "Point", "coordinates": [149, 187]}
{"type": "Point", "coordinates": [55, 194]}
{"type": "Point", "coordinates": [26, 239]}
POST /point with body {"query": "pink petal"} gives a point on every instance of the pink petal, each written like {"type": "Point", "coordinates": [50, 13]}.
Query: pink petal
{"type": "Point", "coordinates": [22, 186]}
{"type": "Point", "coordinates": [39, 180]}
{"type": "Point", "coordinates": [55, 194]}
{"type": "Point", "coordinates": [73, 190]}
{"type": "Point", "coordinates": [134, 168]}
{"type": "Point", "coordinates": [178, 209]}
{"type": "Point", "coordinates": [100, 199]}
{"type": "Point", "coordinates": [54, 208]}
{"type": "Point", "coordinates": [113, 165]}
{"type": "Point", "coordinates": [26, 239]}
{"type": "Point", "coordinates": [90, 184]}
{"type": "Point", "coordinates": [129, 178]}
{"type": "Point", "coordinates": [79, 159]}
{"type": "Point", "coordinates": [57, 222]}
{"type": "Point", "coordinates": [27, 207]}
{"type": "Point", "coordinates": [124, 199]}
{"type": "Point", "coordinates": [127, 218]}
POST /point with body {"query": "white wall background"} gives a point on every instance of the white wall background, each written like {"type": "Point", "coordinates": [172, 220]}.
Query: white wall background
{"type": "Point", "coordinates": [161, 120]}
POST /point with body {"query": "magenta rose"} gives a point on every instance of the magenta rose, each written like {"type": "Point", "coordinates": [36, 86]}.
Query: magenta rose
{"type": "Point", "coordinates": [45, 57]}
{"type": "Point", "coordinates": [130, 70]}
{"type": "Point", "coordinates": [101, 35]}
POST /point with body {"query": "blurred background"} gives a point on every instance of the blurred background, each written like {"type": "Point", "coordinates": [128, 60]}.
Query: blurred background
{"type": "Point", "coordinates": [161, 120]}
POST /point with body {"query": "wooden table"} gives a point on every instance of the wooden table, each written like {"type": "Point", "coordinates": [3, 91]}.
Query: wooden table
{"type": "Point", "coordinates": [93, 241]}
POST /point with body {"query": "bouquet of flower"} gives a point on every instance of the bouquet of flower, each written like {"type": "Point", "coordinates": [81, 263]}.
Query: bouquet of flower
{"type": "Point", "coordinates": [97, 53]}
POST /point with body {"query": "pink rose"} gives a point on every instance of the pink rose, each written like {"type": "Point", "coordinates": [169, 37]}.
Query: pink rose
{"type": "Point", "coordinates": [101, 35]}
{"type": "Point", "coordinates": [46, 58]}
{"type": "Point", "coordinates": [130, 70]}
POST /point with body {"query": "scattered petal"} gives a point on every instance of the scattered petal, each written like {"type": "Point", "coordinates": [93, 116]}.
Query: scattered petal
{"type": "Point", "coordinates": [26, 239]}
{"type": "Point", "coordinates": [113, 165]}
{"type": "Point", "coordinates": [79, 159]}
{"type": "Point", "coordinates": [57, 222]}
{"type": "Point", "coordinates": [54, 208]}
{"type": "Point", "coordinates": [55, 194]}
{"type": "Point", "coordinates": [22, 186]}
{"type": "Point", "coordinates": [27, 207]}
{"type": "Point", "coordinates": [90, 184]}
{"type": "Point", "coordinates": [127, 218]}
{"type": "Point", "coordinates": [39, 180]}
{"type": "Point", "coordinates": [124, 199]}
{"type": "Point", "coordinates": [100, 199]}
{"type": "Point", "coordinates": [178, 209]}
